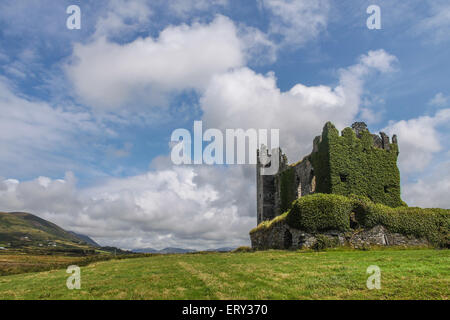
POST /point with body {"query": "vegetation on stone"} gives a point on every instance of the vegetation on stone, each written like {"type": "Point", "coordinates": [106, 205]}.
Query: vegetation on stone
{"type": "Point", "coordinates": [325, 212]}
{"type": "Point", "coordinates": [321, 212]}
{"type": "Point", "coordinates": [269, 223]}
{"type": "Point", "coordinates": [349, 164]}
{"type": "Point", "coordinates": [287, 186]}
{"type": "Point", "coordinates": [356, 162]}
{"type": "Point", "coordinates": [323, 242]}
{"type": "Point", "coordinates": [432, 224]}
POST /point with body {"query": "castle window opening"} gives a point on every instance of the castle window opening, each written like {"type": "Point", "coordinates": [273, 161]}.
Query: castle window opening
{"type": "Point", "coordinates": [287, 239]}
{"type": "Point", "coordinates": [301, 241]}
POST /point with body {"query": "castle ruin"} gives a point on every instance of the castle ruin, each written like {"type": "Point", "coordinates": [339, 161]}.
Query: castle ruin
{"type": "Point", "coordinates": [353, 162]}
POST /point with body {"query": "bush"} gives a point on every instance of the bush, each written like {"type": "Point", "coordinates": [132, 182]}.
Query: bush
{"type": "Point", "coordinates": [432, 224]}
{"type": "Point", "coordinates": [242, 249]}
{"type": "Point", "coordinates": [324, 212]}
{"type": "Point", "coordinates": [323, 242]}
{"type": "Point", "coordinates": [321, 212]}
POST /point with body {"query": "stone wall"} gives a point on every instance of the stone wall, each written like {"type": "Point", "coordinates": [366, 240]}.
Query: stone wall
{"type": "Point", "coordinates": [280, 236]}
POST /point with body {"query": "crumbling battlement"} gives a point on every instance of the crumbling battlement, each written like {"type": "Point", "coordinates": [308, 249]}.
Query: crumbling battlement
{"type": "Point", "coordinates": [353, 162]}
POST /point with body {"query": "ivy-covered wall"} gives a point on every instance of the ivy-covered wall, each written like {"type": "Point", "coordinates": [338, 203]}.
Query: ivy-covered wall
{"type": "Point", "coordinates": [287, 189]}
{"type": "Point", "coordinates": [354, 216]}
{"type": "Point", "coordinates": [348, 165]}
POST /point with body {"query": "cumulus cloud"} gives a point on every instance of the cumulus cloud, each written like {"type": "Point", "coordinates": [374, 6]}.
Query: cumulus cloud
{"type": "Point", "coordinates": [296, 22]}
{"type": "Point", "coordinates": [109, 75]}
{"type": "Point", "coordinates": [197, 207]}
{"type": "Point", "coordinates": [244, 99]}
{"type": "Point", "coordinates": [419, 139]}
{"type": "Point", "coordinates": [430, 191]}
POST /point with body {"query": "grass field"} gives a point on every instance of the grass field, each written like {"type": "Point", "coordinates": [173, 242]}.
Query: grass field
{"type": "Point", "coordinates": [333, 274]}
{"type": "Point", "coordinates": [20, 262]}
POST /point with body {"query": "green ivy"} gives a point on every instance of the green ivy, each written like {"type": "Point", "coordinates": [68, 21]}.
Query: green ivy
{"type": "Point", "coordinates": [287, 188]}
{"type": "Point", "coordinates": [323, 242]}
{"type": "Point", "coordinates": [321, 212]}
{"type": "Point", "coordinates": [432, 224]}
{"type": "Point", "coordinates": [348, 165]}
{"type": "Point", "coordinates": [325, 212]}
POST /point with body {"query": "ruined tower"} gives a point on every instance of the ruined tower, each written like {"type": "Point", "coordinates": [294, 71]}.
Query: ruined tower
{"type": "Point", "coordinates": [353, 162]}
{"type": "Point", "coordinates": [267, 185]}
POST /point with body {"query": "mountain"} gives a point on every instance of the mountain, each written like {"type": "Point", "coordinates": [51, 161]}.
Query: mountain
{"type": "Point", "coordinates": [86, 239]}
{"type": "Point", "coordinates": [175, 250]}
{"type": "Point", "coordinates": [21, 226]}
{"type": "Point", "coordinates": [163, 251]}
{"type": "Point", "coordinates": [25, 230]}
{"type": "Point", "coordinates": [145, 250]}
{"type": "Point", "coordinates": [179, 250]}
{"type": "Point", "coordinates": [224, 249]}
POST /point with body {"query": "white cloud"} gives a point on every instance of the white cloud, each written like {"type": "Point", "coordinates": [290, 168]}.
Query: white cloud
{"type": "Point", "coordinates": [419, 139]}
{"type": "Point", "coordinates": [33, 130]}
{"type": "Point", "coordinates": [182, 206]}
{"type": "Point", "coordinates": [379, 60]}
{"type": "Point", "coordinates": [109, 75]}
{"type": "Point", "coordinates": [371, 116]}
{"type": "Point", "coordinates": [439, 100]}
{"type": "Point", "coordinates": [298, 21]}
{"type": "Point", "coordinates": [257, 46]}
{"type": "Point", "coordinates": [372, 109]}
{"type": "Point", "coordinates": [123, 17]}
{"type": "Point", "coordinates": [244, 99]}
{"type": "Point", "coordinates": [430, 191]}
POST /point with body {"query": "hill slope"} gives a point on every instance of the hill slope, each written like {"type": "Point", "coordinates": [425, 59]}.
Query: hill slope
{"type": "Point", "coordinates": [86, 239]}
{"type": "Point", "coordinates": [24, 229]}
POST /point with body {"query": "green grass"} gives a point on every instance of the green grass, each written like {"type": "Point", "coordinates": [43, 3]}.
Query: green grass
{"type": "Point", "coordinates": [333, 274]}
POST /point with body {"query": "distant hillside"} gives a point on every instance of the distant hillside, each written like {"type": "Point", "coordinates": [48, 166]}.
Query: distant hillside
{"type": "Point", "coordinates": [20, 229]}
{"type": "Point", "coordinates": [145, 250]}
{"type": "Point", "coordinates": [86, 239]}
{"type": "Point", "coordinates": [178, 250]}
{"type": "Point", "coordinates": [163, 251]}
{"type": "Point", "coordinates": [224, 249]}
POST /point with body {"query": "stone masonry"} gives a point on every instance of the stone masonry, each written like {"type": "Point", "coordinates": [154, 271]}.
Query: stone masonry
{"type": "Point", "coordinates": [281, 236]}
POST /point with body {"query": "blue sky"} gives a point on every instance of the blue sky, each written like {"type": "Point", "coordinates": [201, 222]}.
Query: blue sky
{"type": "Point", "coordinates": [87, 114]}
